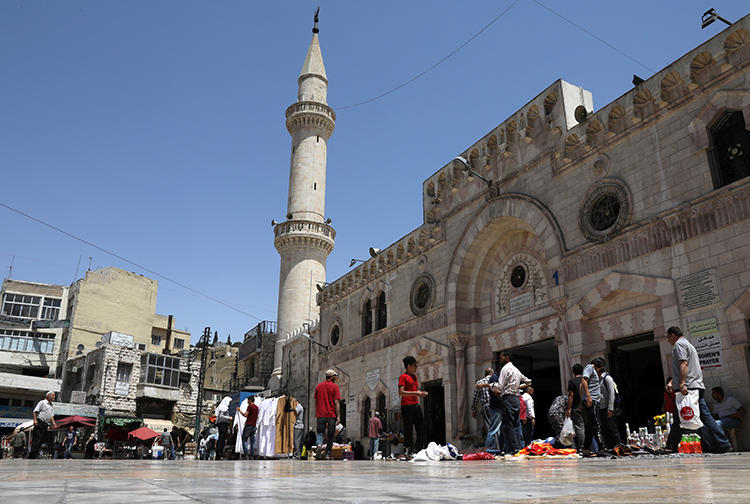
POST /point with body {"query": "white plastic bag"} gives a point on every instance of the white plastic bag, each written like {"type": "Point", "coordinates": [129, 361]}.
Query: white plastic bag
{"type": "Point", "coordinates": [687, 407]}
{"type": "Point", "coordinates": [568, 433]}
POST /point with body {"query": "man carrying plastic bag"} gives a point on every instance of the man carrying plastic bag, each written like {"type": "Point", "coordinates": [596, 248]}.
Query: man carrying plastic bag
{"type": "Point", "coordinates": [691, 406]}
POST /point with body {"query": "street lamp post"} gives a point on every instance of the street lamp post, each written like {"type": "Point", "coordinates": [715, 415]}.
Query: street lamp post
{"type": "Point", "coordinates": [201, 378]}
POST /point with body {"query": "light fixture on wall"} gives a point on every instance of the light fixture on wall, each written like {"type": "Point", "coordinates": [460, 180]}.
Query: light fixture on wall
{"type": "Point", "coordinates": [469, 171]}
{"type": "Point", "coordinates": [710, 16]}
{"type": "Point", "coordinates": [355, 261]}
{"type": "Point", "coordinates": [374, 251]}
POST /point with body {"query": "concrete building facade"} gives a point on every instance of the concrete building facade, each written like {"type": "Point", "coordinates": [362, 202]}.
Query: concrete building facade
{"type": "Point", "coordinates": [597, 230]}
{"type": "Point", "coordinates": [111, 299]}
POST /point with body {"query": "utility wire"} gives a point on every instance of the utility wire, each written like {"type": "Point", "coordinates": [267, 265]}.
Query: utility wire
{"type": "Point", "coordinates": [435, 65]}
{"type": "Point", "coordinates": [540, 4]}
{"type": "Point", "coordinates": [155, 273]}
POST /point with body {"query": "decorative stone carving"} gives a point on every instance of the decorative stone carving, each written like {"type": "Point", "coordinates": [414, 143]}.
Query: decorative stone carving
{"type": "Point", "coordinates": [522, 285]}
{"type": "Point", "coordinates": [606, 209]}
{"type": "Point", "coordinates": [422, 294]}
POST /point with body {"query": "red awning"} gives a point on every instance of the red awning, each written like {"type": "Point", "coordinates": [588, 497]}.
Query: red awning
{"type": "Point", "coordinates": [143, 433]}
{"type": "Point", "coordinates": [76, 420]}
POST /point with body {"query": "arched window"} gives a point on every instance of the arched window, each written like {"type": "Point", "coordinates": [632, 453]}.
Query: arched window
{"type": "Point", "coordinates": [366, 406]}
{"type": "Point", "coordinates": [382, 318]}
{"type": "Point", "coordinates": [729, 155]}
{"type": "Point", "coordinates": [367, 318]}
{"type": "Point", "coordinates": [382, 410]}
{"type": "Point", "coordinates": [335, 335]}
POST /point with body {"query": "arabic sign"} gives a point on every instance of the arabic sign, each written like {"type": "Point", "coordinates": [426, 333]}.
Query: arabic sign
{"type": "Point", "coordinates": [351, 407]}
{"type": "Point", "coordinates": [122, 388]}
{"type": "Point", "coordinates": [698, 290]}
{"type": "Point", "coordinates": [521, 303]}
{"type": "Point", "coordinates": [705, 337]}
{"type": "Point", "coordinates": [5, 319]}
{"type": "Point", "coordinates": [116, 338]}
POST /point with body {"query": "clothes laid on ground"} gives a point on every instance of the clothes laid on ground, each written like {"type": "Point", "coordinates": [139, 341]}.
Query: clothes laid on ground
{"type": "Point", "coordinates": [546, 450]}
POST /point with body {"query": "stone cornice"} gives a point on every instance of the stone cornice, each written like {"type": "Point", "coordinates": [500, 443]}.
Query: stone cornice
{"type": "Point", "coordinates": [304, 234]}
{"type": "Point", "coordinates": [309, 114]}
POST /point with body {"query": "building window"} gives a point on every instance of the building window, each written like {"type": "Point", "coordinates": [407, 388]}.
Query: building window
{"type": "Point", "coordinates": [367, 318]}
{"type": "Point", "coordinates": [382, 317]}
{"type": "Point", "coordinates": [24, 341]}
{"type": "Point", "coordinates": [179, 343]}
{"type": "Point", "coordinates": [51, 309]}
{"type": "Point", "coordinates": [729, 155]}
{"type": "Point", "coordinates": [155, 339]}
{"type": "Point", "coordinates": [141, 346]}
{"type": "Point", "coordinates": [159, 369]}
{"type": "Point", "coordinates": [19, 305]}
{"type": "Point", "coordinates": [124, 369]}
{"type": "Point", "coordinates": [421, 297]}
{"type": "Point", "coordinates": [335, 335]}
{"type": "Point", "coordinates": [605, 210]}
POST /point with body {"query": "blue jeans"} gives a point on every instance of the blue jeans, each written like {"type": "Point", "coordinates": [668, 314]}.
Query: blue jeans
{"type": "Point", "coordinates": [248, 440]}
{"type": "Point", "coordinates": [374, 442]}
{"type": "Point", "coordinates": [494, 439]}
{"type": "Point", "coordinates": [511, 423]}
{"type": "Point", "coordinates": [728, 423]}
{"type": "Point", "coordinates": [69, 450]}
{"type": "Point", "coordinates": [328, 426]}
{"type": "Point", "coordinates": [712, 434]}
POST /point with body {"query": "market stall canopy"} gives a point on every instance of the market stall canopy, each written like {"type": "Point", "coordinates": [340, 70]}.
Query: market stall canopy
{"type": "Point", "coordinates": [121, 421]}
{"type": "Point", "coordinates": [143, 433]}
{"type": "Point", "coordinates": [13, 422]}
{"type": "Point", "coordinates": [25, 426]}
{"type": "Point", "coordinates": [76, 420]}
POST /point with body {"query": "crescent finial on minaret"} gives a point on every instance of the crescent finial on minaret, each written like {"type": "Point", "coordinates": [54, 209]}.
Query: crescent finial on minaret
{"type": "Point", "coordinates": [315, 20]}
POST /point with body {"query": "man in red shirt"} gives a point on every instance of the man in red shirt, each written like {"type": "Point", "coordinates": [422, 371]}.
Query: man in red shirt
{"type": "Point", "coordinates": [327, 398]}
{"type": "Point", "coordinates": [248, 433]}
{"type": "Point", "coordinates": [411, 413]}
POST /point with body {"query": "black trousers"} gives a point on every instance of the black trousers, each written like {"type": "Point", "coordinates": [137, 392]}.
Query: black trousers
{"type": "Point", "coordinates": [591, 425]}
{"type": "Point", "coordinates": [223, 429]}
{"type": "Point", "coordinates": [40, 436]}
{"type": "Point", "coordinates": [411, 414]}
{"type": "Point", "coordinates": [610, 431]}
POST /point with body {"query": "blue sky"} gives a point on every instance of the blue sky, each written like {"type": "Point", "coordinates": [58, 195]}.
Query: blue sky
{"type": "Point", "coordinates": [156, 129]}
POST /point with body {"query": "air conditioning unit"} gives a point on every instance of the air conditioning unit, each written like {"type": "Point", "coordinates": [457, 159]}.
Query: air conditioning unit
{"type": "Point", "coordinates": [141, 346]}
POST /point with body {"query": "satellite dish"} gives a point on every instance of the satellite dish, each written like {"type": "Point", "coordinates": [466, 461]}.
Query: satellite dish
{"type": "Point", "coordinates": [580, 113]}
{"type": "Point", "coordinates": [79, 352]}
{"type": "Point", "coordinates": [98, 344]}
{"type": "Point", "coordinates": [80, 347]}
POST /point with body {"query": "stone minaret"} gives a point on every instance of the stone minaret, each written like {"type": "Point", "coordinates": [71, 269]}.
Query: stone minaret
{"type": "Point", "coordinates": [306, 238]}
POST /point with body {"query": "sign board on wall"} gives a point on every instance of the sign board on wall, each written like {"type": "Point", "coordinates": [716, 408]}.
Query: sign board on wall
{"type": "Point", "coordinates": [697, 291]}
{"type": "Point", "coordinates": [116, 338]}
{"type": "Point", "coordinates": [372, 378]}
{"type": "Point", "coordinates": [705, 337]}
{"type": "Point", "coordinates": [521, 303]}
{"type": "Point", "coordinates": [122, 388]}
{"type": "Point", "coordinates": [395, 398]}
{"type": "Point", "coordinates": [351, 407]}
{"type": "Point", "coordinates": [78, 397]}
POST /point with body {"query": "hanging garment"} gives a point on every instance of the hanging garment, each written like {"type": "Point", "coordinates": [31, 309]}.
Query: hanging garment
{"type": "Point", "coordinates": [239, 424]}
{"type": "Point", "coordinates": [266, 430]}
{"type": "Point", "coordinates": [285, 417]}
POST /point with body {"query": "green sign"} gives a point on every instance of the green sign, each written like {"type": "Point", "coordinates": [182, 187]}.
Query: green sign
{"type": "Point", "coordinates": [50, 324]}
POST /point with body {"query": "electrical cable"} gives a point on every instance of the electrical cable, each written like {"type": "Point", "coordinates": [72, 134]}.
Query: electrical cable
{"type": "Point", "coordinates": [113, 254]}
{"type": "Point", "coordinates": [592, 35]}
{"type": "Point", "coordinates": [435, 65]}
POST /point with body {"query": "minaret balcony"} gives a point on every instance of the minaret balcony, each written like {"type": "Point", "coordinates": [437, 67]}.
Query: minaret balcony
{"type": "Point", "coordinates": [309, 114]}
{"type": "Point", "coordinates": [304, 233]}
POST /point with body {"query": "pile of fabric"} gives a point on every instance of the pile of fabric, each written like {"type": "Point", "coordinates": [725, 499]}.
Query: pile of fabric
{"type": "Point", "coordinates": [435, 452]}
{"type": "Point", "coordinates": [547, 450]}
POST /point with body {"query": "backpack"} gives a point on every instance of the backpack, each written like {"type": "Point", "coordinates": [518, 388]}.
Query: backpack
{"type": "Point", "coordinates": [618, 397]}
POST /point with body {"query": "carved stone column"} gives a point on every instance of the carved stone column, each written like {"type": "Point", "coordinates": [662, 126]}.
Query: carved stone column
{"type": "Point", "coordinates": [459, 343]}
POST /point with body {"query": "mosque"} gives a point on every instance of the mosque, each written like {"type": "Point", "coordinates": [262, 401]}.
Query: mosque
{"type": "Point", "coordinates": [563, 234]}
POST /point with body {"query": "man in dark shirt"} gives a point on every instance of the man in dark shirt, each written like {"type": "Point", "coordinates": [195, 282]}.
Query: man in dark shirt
{"type": "Point", "coordinates": [573, 410]}
{"type": "Point", "coordinates": [248, 433]}
{"type": "Point", "coordinates": [327, 413]}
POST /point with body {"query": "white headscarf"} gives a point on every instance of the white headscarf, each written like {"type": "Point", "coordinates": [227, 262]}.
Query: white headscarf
{"type": "Point", "coordinates": [223, 406]}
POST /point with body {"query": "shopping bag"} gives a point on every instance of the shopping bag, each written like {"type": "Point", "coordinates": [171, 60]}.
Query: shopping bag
{"type": "Point", "coordinates": [568, 433]}
{"type": "Point", "coordinates": [687, 406]}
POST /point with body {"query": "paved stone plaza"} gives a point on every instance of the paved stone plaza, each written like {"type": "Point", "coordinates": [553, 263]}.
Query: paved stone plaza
{"type": "Point", "coordinates": [694, 479]}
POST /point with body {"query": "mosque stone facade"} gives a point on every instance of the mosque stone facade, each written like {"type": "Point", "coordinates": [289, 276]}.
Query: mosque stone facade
{"type": "Point", "coordinates": [594, 235]}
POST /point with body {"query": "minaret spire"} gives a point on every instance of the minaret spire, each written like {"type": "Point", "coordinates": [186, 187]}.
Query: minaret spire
{"type": "Point", "coordinates": [306, 238]}
{"type": "Point", "coordinates": [315, 20]}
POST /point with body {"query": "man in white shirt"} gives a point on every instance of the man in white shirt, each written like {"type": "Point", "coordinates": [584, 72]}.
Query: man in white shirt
{"type": "Point", "coordinates": [44, 418]}
{"type": "Point", "coordinates": [530, 423]}
{"type": "Point", "coordinates": [727, 410]}
{"type": "Point", "coordinates": [508, 385]}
